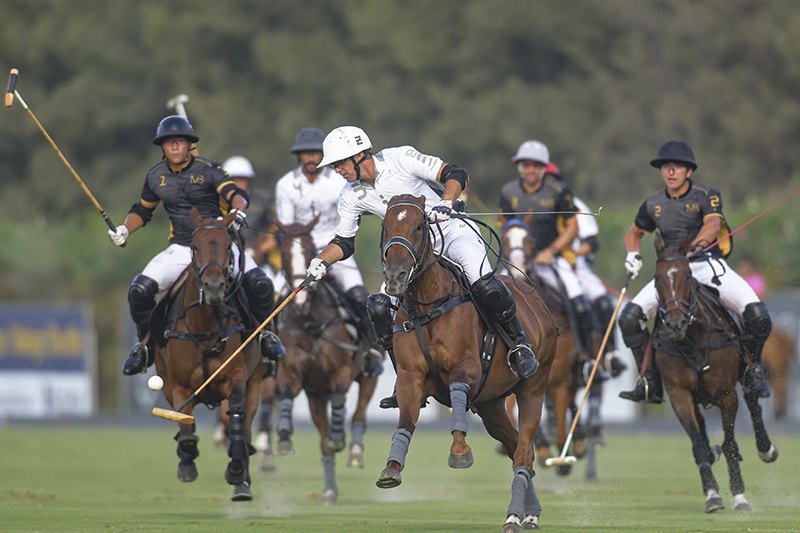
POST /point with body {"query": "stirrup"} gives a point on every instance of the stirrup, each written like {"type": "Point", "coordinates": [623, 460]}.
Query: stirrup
{"type": "Point", "coordinates": [643, 392]}
{"type": "Point", "coordinates": [271, 346]}
{"type": "Point", "coordinates": [390, 402]}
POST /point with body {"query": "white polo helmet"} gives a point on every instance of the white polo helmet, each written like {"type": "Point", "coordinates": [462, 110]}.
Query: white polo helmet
{"type": "Point", "coordinates": [343, 142]}
{"type": "Point", "coordinates": [532, 151]}
{"type": "Point", "coordinates": [238, 167]}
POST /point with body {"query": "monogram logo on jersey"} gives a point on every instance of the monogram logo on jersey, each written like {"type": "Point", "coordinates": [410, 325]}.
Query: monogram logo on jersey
{"type": "Point", "coordinates": [359, 188]}
{"type": "Point", "coordinates": [657, 212]}
{"type": "Point", "coordinates": [163, 181]}
{"type": "Point", "coordinates": [547, 203]}
{"type": "Point", "coordinates": [692, 208]}
{"type": "Point", "coordinates": [197, 179]}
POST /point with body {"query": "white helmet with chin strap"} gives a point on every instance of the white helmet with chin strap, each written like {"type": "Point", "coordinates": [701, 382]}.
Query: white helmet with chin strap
{"type": "Point", "coordinates": [343, 142]}
{"type": "Point", "coordinates": [532, 151]}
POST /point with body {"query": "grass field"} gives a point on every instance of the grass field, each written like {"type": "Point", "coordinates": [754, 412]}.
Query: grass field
{"type": "Point", "coordinates": [123, 479]}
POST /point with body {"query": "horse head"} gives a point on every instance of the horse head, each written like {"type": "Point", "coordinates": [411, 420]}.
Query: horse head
{"type": "Point", "coordinates": [212, 260]}
{"type": "Point", "coordinates": [517, 246]}
{"type": "Point", "coordinates": [406, 246]}
{"type": "Point", "coordinates": [674, 286]}
{"type": "Point", "coordinates": [297, 250]}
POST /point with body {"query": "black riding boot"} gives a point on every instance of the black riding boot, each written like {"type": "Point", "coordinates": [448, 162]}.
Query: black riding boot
{"type": "Point", "coordinates": [758, 326]}
{"type": "Point", "coordinates": [142, 300]}
{"type": "Point", "coordinates": [379, 310]}
{"type": "Point", "coordinates": [603, 311]}
{"type": "Point", "coordinates": [261, 297]}
{"type": "Point", "coordinates": [373, 358]}
{"type": "Point", "coordinates": [494, 297]}
{"type": "Point", "coordinates": [632, 323]}
{"type": "Point", "coordinates": [586, 328]}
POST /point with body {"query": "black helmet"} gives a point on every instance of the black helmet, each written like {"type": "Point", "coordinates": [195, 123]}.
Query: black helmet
{"type": "Point", "coordinates": [174, 126]}
{"type": "Point", "coordinates": [308, 140]}
{"type": "Point", "coordinates": [675, 152]}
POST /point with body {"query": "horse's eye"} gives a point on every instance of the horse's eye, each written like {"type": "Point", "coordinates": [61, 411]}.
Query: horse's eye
{"type": "Point", "coordinates": [420, 226]}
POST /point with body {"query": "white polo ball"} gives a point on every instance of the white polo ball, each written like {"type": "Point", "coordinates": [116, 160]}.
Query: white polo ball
{"type": "Point", "coordinates": [155, 383]}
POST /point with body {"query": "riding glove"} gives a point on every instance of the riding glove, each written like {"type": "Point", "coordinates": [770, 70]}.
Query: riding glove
{"type": "Point", "coordinates": [119, 236]}
{"type": "Point", "coordinates": [239, 222]}
{"type": "Point", "coordinates": [633, 263]}
{"type": "Point", "coordinates": [317, 269]}
{"type": "Point", "coordinates": [441, 212]}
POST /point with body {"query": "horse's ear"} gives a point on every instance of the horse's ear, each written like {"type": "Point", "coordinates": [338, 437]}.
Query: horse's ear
{"type": "Point", "coordinates": [229, 218]}
{"type": "Point", "coordinates": [659, 242]}
{"type": "Point", "coordinates": [196, 220]}
{"type": "Point", "coordinates": [313, 221]}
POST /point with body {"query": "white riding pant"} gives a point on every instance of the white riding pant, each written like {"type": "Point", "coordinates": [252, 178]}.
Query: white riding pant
{"type": "Point", "coordinates": [591, 284]}
{"type": "Point", "coordinates": [565, 272]}
{"type": "Point", "coordinates": [734, 292]}
{"type": "Point", "coordinates": [463, 245]}
{"type": "Point", "coordinates": [165, 267]}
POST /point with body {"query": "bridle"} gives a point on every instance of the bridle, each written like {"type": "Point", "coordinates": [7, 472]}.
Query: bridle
{"type": "Point", "coordinates": [419, 256]}
{"type": "Point", "coordinates": [198, 271]}
{"type": "Point", "coordinates": [687, 308]}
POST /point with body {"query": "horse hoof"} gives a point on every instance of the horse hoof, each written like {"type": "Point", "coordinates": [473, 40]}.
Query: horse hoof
{"type": "Point", "coordinates": [743, 506]}
{"type": "Point", "coordinates": [389, 479]}
{"type": "Point", "coordinates": [590, 476]}
{"type": "Point", "coordinates": [530, 523]}
{"type": "Point", "coordinates": [329, 497]}
{"type": "Point", "coordinates": [460, 461]}
{"type": "Point", "coordinates": [714, 504]}
{"type": "Point", "coordinates": [356, 458]}
{"type": "Point", "coordinates": [241, 493]}
{"type": "Point", "coordinates": [336, 445]}
{"type": "Point", "coordinates": [579, 449]}
{"type": "Point", "coordinates": [564, 470]}
{"type": "Point", "coordinates": [187, 473]}
{"type": "Point", "coordinates": [769, 456]}
{"type": "Point", "coordinates": [512, 525]}
{"type": "Point", "coordinates": [236, 472]}
{"type": "Point", "coordinates": [285, 447]}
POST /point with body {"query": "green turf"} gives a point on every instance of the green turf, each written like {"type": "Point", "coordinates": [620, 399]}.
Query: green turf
{"type": "Point", "coordinates": [123, 479]}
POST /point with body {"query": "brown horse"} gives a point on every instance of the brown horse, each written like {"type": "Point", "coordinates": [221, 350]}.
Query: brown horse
{"type": "Point", "coordinates": [779, 352]}
{"type": "Point", "coordinates": [518, 250]}
{"type": "Point", "coordinates": [442, 350]}
{"type": "Point", "coordinates": [698, 352]}
{"type": "Point", "coordinates": [200, 326]}
{"type": "Point", "coordinates": [322, 359]}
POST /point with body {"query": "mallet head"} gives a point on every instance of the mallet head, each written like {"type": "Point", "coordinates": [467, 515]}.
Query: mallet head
{"type": "Point", "coordinates": [12, 86]}
{"type": "Point", "coordinates": [177, 102]}
{"type": "Point", "coordinates": [560, 461]}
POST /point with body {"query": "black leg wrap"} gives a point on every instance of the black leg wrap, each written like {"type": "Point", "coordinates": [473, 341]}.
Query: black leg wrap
{"type": "Point", "coordinates": [603, 310]}
{"type": "Point", "coordinates": [585, 323]}
{"type": "Point", "coordinates": [758, 326]}
{"type": "Point", "coordinates": [632, 324]}
{"type": "Point", "coordinates": [187, 448]}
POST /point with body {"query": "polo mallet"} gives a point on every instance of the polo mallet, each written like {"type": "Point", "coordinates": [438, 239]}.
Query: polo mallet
{"type": "Point", "coordinates": [565, 459]}
{"type": "Point", "coordinates": [177, 103]}
{"type": "Point", "coordinates": [183, 418]}
{"type": "Point", "coordinates": [11, 92]}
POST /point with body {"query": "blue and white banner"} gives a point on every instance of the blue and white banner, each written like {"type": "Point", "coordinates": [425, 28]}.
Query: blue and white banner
{"type": "Point", "coordinates": [47, 361]}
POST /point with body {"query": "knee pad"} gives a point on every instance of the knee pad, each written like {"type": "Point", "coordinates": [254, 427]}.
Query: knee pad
{"type": "Point", "coordinates": [142, 297]}
{"type": "Point", "coordinates": [379, 310]}
{"type": "Point", "coordinates": [358, 296]}
{"type": "Point", "coordinates": [631, 321]}
{"type": "Point", "coordinates": [603, 308]}
{"type": "Point", "coordinates": [260, 292]}
{"type": "Point", "coordinates": [757, 320]}
{"type": "Point", "coordinates": [495, 298]}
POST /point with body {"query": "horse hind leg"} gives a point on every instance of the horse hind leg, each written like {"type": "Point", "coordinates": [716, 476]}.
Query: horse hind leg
{"type": "Point", "coordinates": [357, 430]}
{"type": "Point", "coordinates": [767, 451]}
{"type": "Point", "coordinates": [331, 493]}
{"type": "Point", "coordinates": [336, 436]}
{"type": "Point", "coordinates": [285, 425]}
{"type": "Point", "coordinates": [187, 453]}
{"type": "Point", "coordinates": [263, 441]}
{"type": "Point", "coordinates": [460, 452]}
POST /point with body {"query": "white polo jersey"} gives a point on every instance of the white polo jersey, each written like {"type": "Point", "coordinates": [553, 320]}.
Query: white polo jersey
{"type": "Point", "coordinates": [404, 170]}
{"type": "Point", "coordinates": [298, 200]}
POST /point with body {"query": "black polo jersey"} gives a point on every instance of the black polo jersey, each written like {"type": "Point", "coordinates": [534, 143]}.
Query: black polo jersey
{"type": "Point", "coordinates": [201, 184]}
{"type": "Point", "coordinates": [678, 217]}
{"type": "Point", "coordinates": [551, 196]}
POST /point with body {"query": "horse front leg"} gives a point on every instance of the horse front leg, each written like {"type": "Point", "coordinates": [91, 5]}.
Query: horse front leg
{"type": "Point", "coordinates": [340, 386]}
{"type": "Point", "coordinates": [409, 388]}
{"type": "Point", "coordinates": [460, 452]}
{"type": "Point", "coordinates": [319, 415]}
{"type": "Point", "coordinates": [239, 450]}
{"type": "Point", "coordinates": [728, 406]}
{"type": "Point", "coordinates": [263, 442]}
{"type": "Point", "coordinates": [186, 437]}
{"type": "Point", "coordinates": [594, 425]}
{"type": "Point", "coordinates": [358, 425]}
{"type": "Point", "coordinates": [692, 421]}
{"type": "Point", "coordinates": [286, 395]}
{"type": "Point", "coordinates": [561, 404]}
{"type": "Point", "coordinates": [767, 451]}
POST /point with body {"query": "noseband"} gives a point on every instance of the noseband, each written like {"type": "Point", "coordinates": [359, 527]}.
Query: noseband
{"type": "Point", "coordinates": [686, 307]}
{"type": "Point", "coordinates": [417, 255]}
{"type": "Point", "coordinates": [199, 271]}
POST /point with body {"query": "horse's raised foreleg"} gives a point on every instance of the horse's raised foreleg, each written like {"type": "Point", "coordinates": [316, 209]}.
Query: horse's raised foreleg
{"type": "Point", "coordinates": [766, 450]}
{"type": "Point", "coordinates": [460, 452]}
{"type": "Point", "coordinates": [692, 420]}
{"type": "Point", "coordinates": [409, 398]}
{"type": "Point", "coordinates": [285, 426]}
{"type": "Point", "coordinates": [366, 389]}
{"type": "Point", "coordinates": [728, 407]}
